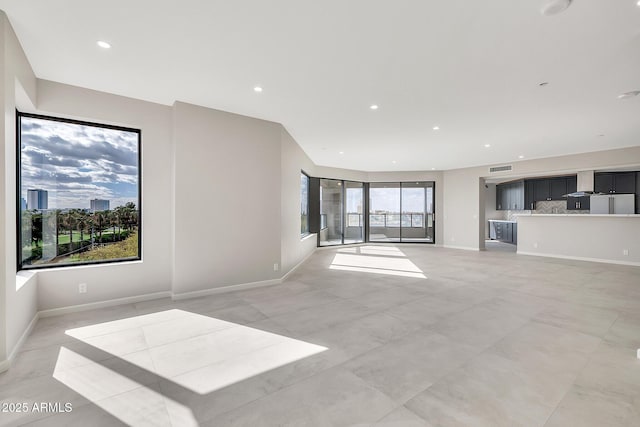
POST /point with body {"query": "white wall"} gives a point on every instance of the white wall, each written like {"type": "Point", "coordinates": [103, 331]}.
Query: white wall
{"type": "Point", "coordinates": [220, 197]}
{"type": "Point", "coordinates": [490, 211]}
{"type": "Point", "coordinates": [59, 287]}
{"type": "Point", "coordinates": [462, 207]}
{"type": "Point", "coordinates": [17, 304]}
{"type": "Point", "coordinates": [227, 198]}
{"type": "Point", "coordinates": [588, 237]}
{"type": "Point", "coordinates": [293, 159]}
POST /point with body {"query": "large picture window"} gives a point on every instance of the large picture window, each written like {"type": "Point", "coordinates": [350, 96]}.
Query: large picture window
{"type": "Point", "coordinates": [78, 192]}
{"type": "Point", "coordinates": [304, 204]}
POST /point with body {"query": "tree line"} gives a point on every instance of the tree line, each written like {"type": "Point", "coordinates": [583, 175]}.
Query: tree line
{"type": "Point", "coordinates": [124, 219]}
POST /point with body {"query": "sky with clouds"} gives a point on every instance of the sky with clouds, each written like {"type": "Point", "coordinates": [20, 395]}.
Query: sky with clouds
{"type": "Point", "coordinates": [76, 163]}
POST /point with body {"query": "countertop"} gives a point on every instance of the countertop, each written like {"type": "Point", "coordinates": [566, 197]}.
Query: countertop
{"type": "Point", "coordinates": [500, 220]}
{"type": "Point", "coordinates": [584, 215]}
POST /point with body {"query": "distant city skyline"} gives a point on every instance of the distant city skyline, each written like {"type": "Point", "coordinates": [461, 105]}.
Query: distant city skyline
{"type": "Point", "coordinates": [99, 205]}
{"type": "Point", "coordinates": [77, 163]}
{"type": "Point", "coordinates": [37, 198]}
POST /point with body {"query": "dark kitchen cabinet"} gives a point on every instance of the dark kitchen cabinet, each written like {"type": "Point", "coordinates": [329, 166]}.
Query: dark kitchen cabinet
{"type": "Point", "coordinates": [572, 184]}
{"type": "Point", "coordinates": [578, 203]}
{"type": "Point", "coordinates": [510, 196]}
{"type": "Point", "coordinates": [615, 182]}
{"type": "Point", "coordinates": [541, 190]}
{"type": "Point", "coordinates": [638, 192]}
{"type": "Point", "coordinates": [557, 188]}
{"type": "Point", "coordinates": [516, 196]}
{"type": "Point", "coordinates": [503, 231]}
{"type": "Point", "coordinates": [529, 200]}
{"type": "Point", "coordinates": [500, 189]}
{"type": "Point", "coordinates": [552, 188]}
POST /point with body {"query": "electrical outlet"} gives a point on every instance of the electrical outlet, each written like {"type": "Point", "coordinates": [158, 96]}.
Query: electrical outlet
{"type": "Point", "coordinates": [625, 252]}
{"type": "Point", "coordinates": [82, 288]}
{"type": "Point", "coordinates": [276, 267]}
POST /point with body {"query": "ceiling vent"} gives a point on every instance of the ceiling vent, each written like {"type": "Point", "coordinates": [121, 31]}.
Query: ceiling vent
{"type": "Point", "coordinates": [495, 169]}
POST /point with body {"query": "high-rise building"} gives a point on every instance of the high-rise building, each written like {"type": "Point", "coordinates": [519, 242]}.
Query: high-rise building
{"type": "Point", "coordinates": [23, 204]}
{"type": "Point", "coordinates": [99, 205]}
{"type": "Point", "coordinates": [37, 199]}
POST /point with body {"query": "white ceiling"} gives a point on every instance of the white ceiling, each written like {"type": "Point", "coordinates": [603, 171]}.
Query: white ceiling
{"type": "Point", "coordinates": [471, 67]}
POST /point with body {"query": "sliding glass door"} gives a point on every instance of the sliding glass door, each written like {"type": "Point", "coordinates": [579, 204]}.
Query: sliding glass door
{"type": "Point", "coordinates": [384, 212]}
{"type": "Point", "coordinates": [417, 212]}
{"type": "Point", "coordinates": [401, 212]}
{"type": "Point", "coordinates": [341, 212]}
{"type": "Point", "coordinates": [330, 212]}
{"type": "Point", "coordinates": [353, 214]}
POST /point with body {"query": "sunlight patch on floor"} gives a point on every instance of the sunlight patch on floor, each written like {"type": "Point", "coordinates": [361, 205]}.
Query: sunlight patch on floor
{"type": "Point", "coordinates": [376, 260]}
{"type": "Point", "coordinates": [129, 401]}
{"type": "Point", "coordinates": [200, 353]}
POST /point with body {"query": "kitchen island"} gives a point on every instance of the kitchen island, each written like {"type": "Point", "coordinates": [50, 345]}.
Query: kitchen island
{"type": "Point", "coordinates": [599, 238]}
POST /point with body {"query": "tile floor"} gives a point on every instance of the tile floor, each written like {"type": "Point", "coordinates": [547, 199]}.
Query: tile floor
{"type": "Point", "coordinates": [483, 339]}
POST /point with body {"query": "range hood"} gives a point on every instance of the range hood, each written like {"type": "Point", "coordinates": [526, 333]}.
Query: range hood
{"type": "Point", "coordinates": [585, 182]}
{"type": "Point", "coordinates": [585, 185]}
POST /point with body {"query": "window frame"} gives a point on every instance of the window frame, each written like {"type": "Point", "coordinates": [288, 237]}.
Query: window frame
{"type": "Point", "coordinates": [19, 265]}
{"type": "Point", "coordinates": [306, 233]}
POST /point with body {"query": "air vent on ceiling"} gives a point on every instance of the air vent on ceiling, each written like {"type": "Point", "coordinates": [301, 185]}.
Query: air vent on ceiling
{"type": "Point", "coordinates": [499, 168]}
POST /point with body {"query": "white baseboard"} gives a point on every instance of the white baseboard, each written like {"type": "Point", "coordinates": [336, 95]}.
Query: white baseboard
{"type": "Point", "coordinates": [577, 258]}
{"type": "Point", "coordinates": [295, 267]}
{"type": "Point", "coordinates": [102, 304]}
{"type": "Point", "coordinates": [6, 364]}
{"type": "Point", "coordinates": [23, 337]}
{"type": "Point", "coordinates": [222, 289]}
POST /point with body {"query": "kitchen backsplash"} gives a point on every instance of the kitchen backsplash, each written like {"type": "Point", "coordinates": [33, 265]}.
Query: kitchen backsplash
{"type": "Point", "coordinates": [555, 207]}
{"type": "Point", "coordinates": [544, 208]}
{"type": "Point", "coordinates": [511, 215]}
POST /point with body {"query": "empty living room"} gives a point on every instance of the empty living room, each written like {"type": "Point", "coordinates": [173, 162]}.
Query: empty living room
{"type": "Point", "coordinates": [293, 213]}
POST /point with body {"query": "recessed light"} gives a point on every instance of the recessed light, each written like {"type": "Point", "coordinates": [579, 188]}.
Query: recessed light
{"type": "Point", "coordinates": [257, 89]}
{"type": "Point", "coordinates": [638, 3]}
{"type": "Point", "coordinates": [341, 152]}
{"type": "Point", "coordinates": [521, 156]}
{"type": "Point", "coordinates": [487, 145]}
{"type": "Point", "coordinates": [630, 94]}
{"type": "Point", "coordinates": [374, 107]}
{"type": "Point", "coordinates": [436, 128]}
{"type": "Point", "coordinates": [393, 161]}
{"type": "Point", "coordinates": [433, 169]}
{"type": "Point", "coordinates": [103, 44]}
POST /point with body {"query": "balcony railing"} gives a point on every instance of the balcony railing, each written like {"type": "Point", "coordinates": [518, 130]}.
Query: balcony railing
{"type": "Point", "coordinates": [412, 220]}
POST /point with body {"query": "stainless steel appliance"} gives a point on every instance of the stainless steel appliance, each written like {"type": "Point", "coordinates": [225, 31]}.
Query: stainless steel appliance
{"type": "Point", "coordinates": [613, 204]}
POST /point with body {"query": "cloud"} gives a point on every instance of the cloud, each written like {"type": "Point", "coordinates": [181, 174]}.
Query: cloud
{"type": "Point", "coordinates": [76, 163]}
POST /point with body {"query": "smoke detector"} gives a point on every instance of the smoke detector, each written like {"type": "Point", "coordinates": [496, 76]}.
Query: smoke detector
{"type": "Point", "coordinates": [554, 7]}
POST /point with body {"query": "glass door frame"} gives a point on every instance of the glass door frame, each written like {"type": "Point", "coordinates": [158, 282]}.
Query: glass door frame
{"type": "Point", "coordinates": [365, 209]}
{"type": "Point", "coordinates": [400, 186]}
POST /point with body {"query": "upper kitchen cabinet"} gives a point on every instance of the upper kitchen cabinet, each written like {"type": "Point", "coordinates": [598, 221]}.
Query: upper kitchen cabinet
{"type": "Point", "coordinates": [615, 182]}
{"type": "Point", "coordinates": [529, 200]}
{"type": "Point", "coordinates": [510, 196]}
{"type": "Point", "coordinates": [638, 192]}
{"type": "Point", "coordinates": [552, 188]}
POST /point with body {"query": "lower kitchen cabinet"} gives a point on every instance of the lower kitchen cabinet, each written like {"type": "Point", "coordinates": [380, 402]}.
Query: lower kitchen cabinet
{"type": "Point", "coordinates": [503, 231]}
{"type": "Point", "coordinates": [578, 203]}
